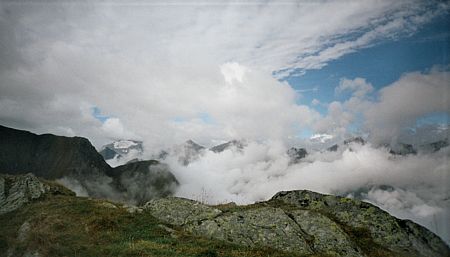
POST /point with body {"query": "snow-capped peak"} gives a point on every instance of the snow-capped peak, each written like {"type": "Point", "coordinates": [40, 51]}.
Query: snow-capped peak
{"type": "Point", "coordinates": [123, 144]}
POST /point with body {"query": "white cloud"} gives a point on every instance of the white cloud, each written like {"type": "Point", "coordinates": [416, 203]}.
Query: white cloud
{"type": "Point", "coordinates": [114, 129]}
{"type": "Point", "coordinates": [401, 103]}
{"type": "Point", "coordinates": [336, 121]}
{"type": "Point", "coordinates": [358, 86]}
{"type": "Point", "coordinates": [148, 64]}
{"type": "Point", "coordinates": [315, 102]}
{"type": "Point", "coordinates": [232, 71]}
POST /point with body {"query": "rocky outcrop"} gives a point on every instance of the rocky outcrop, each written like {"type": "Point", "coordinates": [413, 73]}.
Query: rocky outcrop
{"type": "Point", "coordinates": [16, 191]}
{"type": "Point", "coordinates": [266, 226]}
{"type": "Point", "coordinates": [304, 222]}
{"type": "Point", "coordinates": [180, 211]}
{"type": "Point", "coordinates": [398, 236]}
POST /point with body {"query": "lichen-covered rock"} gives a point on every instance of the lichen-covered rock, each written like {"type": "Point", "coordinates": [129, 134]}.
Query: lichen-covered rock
{"type": "Point", "coordinates": [328, 237]}
{"type": "Point", "coordinates": [180, 211]}
{"type": "Point", "coordinates": [399, 236]}
{"type": "Point", "coordinates": [305, 223]}
{"type": "Point", "coordinates": [266, 226]}
{"type": "Point", "coordinates": [16, 191]}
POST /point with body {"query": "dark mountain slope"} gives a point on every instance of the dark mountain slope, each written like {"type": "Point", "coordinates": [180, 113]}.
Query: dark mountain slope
{"type": "Point", "coordinates": [47, 155]}
{"type": "Point", "coordinates": [81, 167]}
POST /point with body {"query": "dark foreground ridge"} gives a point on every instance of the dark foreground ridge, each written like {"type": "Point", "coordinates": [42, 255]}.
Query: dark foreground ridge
{"type": "Point", "coordinates": [39, 218]}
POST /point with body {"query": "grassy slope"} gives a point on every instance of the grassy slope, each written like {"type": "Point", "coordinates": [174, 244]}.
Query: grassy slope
{"type": "Point", "coordinates": [74, 226]}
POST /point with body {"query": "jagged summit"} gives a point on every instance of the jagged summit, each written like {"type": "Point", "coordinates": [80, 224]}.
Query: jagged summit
{"type": "Point", "coordinates": [402, 149]}
{"type": "Point", "coordinates": [233, 143]}
{"type": "Point", "coordinates": [346, 144]}
{"type": "Point", "coordinates": [296, 154]}
{"type": "Point", "coordinates": [358, 140]}
{"type": "Point", "coordinates": [190, 144]}
{"type": "Point", "coordinates": [188, 152]}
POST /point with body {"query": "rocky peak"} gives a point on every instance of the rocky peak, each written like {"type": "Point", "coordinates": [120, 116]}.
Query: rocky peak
{"type": "Point", "coordinates": [434, 146]}
{"type": "Point", "coordinates": [402, 149]}
{"type": "Point", "coordinates": [222, 147]}
{"type": "Point", "coordinates": [121, 148]}
{"type": "Point", "coordinates": [188, 152]}
{"type": "Point", "coordinates": [296, 154]}
{"type": "Point", "coordinates": [358, 140]}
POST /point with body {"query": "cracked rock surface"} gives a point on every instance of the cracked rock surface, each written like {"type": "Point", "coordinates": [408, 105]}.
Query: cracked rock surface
{"type": "Point", "coordinates": [401, 236]}
{"type": "Point", "coordinates": [264, 226]}
{"type": "Point", "coordinates": [303, 222]}
{"type": "Point", "coordinates": [180, 211]}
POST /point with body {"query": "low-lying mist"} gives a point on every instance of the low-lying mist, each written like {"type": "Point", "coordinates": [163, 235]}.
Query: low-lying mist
{"type": "Point", "coordinates": [135, 183]}
{"type": "Point", "coordinates": [413, 186]}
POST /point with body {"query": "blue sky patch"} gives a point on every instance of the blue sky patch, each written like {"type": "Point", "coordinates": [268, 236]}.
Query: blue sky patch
{"type": "Point", "coordinates": [97, 113]}
{"type": "Point", "coordinates": [380, 65]}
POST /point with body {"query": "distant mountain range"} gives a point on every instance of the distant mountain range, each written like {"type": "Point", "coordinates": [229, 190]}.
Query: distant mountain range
{"type": "Point", "coordinates": [190, 151]}
{"type": "Point", "coordinates": [395, 148]}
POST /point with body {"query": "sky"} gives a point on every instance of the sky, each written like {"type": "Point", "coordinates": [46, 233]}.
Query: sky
{"type": "Point", "coordinates": [274, 73]}
{"type": "Point", "coordinates": [168, 71]}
